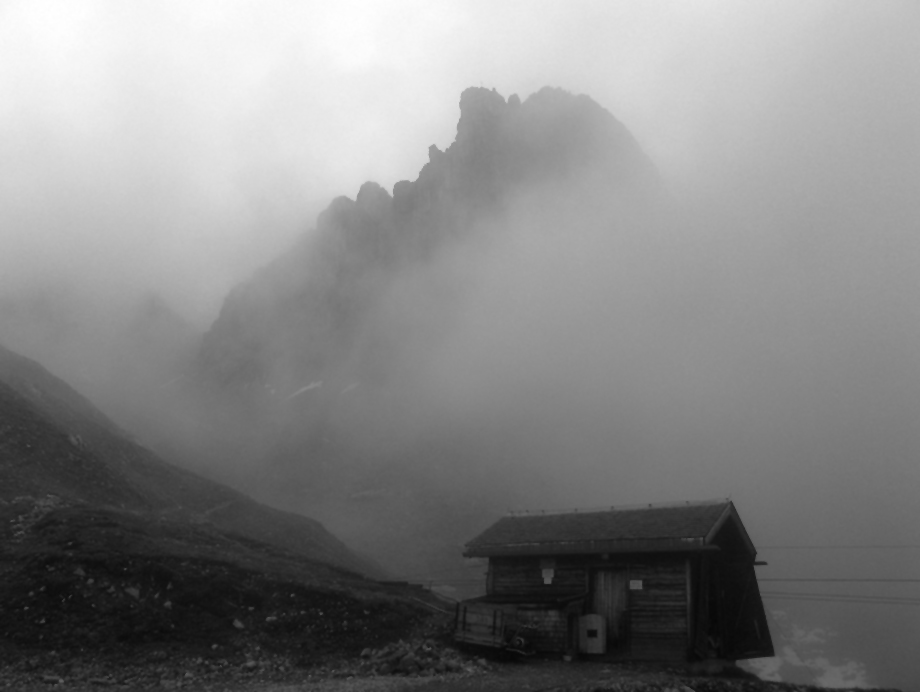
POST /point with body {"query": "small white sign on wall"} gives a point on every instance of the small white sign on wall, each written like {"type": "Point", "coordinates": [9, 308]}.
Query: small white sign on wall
{"type": "Point", "coordinates": [635, 585]}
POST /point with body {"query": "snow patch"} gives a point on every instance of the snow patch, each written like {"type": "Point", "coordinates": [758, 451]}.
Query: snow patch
{"type": "Point", "coordinates": [307, 388]}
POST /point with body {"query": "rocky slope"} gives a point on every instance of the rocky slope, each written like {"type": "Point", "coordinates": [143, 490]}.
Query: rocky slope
{"type": "Point", "coordinates": [54, 442]}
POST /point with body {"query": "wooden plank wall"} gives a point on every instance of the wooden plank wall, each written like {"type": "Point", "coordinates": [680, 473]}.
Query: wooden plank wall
{"type": "Point", "coordinates": [479, 623]}
{"type": "Point", "coordinates": [552, 627]}
{"type": "Point", "coordinates": [657, 617]}
{"type": "Point", "coordinates": [658, 612]}
{"type": "Point", "coordinates": [515, 576]}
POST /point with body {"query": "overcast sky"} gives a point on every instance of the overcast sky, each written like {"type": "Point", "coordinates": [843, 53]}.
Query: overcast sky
{"type": "Point", "coordinates": [176, 146]}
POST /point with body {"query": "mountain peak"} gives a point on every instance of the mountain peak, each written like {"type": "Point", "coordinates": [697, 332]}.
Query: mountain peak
{"type": "Point", "coordinates": [480, 109]}
{"type": "Point", "coordinates": [336, 274]}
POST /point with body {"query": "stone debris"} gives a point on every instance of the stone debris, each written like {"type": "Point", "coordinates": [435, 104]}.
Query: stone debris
{"type": "Point", "coordinates": [419, 657]}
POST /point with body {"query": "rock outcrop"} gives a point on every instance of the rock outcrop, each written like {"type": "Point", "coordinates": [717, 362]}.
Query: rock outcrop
{"type": "Point", "coordinates": [326, 355]}
{"type": "Point", "coordinates": [299, 318]}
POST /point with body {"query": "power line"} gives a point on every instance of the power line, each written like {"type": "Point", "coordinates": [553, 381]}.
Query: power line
{"type": "Point", "coordinates": [840, 547]}
{"type": "Point", "coordinates": [840, 579]}
{"type": "Point", "coordinates": [866, 580]}
{"type": "Point", "coordinates": [899, 599]}
{"type": "Point", "coordinates": [841, 598]}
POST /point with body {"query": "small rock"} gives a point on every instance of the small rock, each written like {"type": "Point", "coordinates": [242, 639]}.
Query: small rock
{"type": "Point", "coordinates": [239, 625]}
{"type": "Point", "coordinates": [133, 592]}
{"type": "Point", "coordinates": [250, 665]}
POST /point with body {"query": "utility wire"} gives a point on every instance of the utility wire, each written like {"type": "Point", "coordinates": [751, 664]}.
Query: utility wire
{"type": "Point", "coordinates": [839, 547]}
{"type": "Point", "coordinates": [759, 580]}
{"type": "Point", "coordinates": [870, 597]}
{"type": "Point", "coordinates": [840, 598]}
{"type": "Point", "coordinates": [841, 579]}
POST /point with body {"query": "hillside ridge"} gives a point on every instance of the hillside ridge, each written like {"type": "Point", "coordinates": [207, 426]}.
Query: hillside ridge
{"type": "Point", "coordinates": [55, 442]}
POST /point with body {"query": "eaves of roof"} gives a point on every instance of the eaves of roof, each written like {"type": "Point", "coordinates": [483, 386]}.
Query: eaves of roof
{"type": "Point", "coordinates": [590, 547]}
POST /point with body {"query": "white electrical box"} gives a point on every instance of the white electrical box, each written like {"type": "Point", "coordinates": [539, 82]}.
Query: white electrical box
{"type": "Point", "coordinates": [592, 634]}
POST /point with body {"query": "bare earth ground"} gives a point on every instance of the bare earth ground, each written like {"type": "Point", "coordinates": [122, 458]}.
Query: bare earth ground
{"type": "Point", "coordinates": [532, 675]}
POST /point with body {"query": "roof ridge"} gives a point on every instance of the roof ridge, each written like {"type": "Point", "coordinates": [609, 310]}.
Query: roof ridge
{"type": "Point", "coordinates": [618, 508]}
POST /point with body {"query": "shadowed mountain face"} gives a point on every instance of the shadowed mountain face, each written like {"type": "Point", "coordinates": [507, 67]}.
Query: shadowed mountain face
{"type": "Point", "coordinates": [351, 360]}
{"type": "Point", "coordinates": [54, 442]}
{"type": "Point", "coordinates": [305, 317]}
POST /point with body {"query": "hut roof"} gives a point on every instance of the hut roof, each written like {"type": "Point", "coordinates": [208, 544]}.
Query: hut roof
{"type": "Point", "coordinates": [647, 528]}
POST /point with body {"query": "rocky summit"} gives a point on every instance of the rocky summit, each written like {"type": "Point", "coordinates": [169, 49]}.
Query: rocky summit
{"type": "Point", "coordinates": [299, 319]}
{"type": "Point", "coordinates": [315, 363]}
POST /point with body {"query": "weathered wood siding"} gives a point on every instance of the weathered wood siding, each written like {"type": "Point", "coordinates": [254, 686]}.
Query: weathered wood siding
{"type": "Point", "coordinates": [491, 624]}
{"type": "Point", "coordinates": [552, 632]}
{"type": "Point", "coordinates": [517, 576]}
{"type": "Point", "coordinates": [658, 612]}
{"type": "Point", "coordinates": [480, 623]}
{"type": "Point", "coordinates": [653, 624]}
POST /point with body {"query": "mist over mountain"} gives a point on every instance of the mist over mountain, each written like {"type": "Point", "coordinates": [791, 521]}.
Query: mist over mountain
{"type": "Point", "coordinates": [301, 317]}
{"type": "Point", "coordinates": [516, 327]}
{"type": "Point", "coordinates": [535, 322]}
{"type": "Point", "coordinates": [124, 354]}
{"type": "Point", "coordinates": [56, 443]}
{"type": "Point", "coordinates": [342, 353]}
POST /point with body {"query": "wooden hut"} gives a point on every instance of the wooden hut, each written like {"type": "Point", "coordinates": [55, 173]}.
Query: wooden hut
{"type": "Point", "coordinates": [665, 582]}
